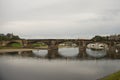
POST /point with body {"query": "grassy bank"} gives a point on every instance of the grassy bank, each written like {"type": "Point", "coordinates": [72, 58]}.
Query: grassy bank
{"type": "Point", "coordinates": [13, 45]}
{"type": "Point", "coordinates": [16, 45]}
{"type": "Point", "coordinates": [114, 76]}
{"type": "Point", "coordinates": [39, 45]}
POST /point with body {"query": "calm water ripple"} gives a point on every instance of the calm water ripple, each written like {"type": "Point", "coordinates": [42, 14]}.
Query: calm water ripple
{"type": "Point", "coordinates": [31, 68]}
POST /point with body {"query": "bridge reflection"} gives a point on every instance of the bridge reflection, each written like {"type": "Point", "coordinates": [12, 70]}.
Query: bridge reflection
{"type": "Point", "coordinates": [68, 53]}
{"type": "Point", "coordinates": [73, 53]}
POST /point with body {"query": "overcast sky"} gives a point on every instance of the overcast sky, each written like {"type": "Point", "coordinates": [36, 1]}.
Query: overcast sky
{"type": "Point", "coordinates": [60, 18]}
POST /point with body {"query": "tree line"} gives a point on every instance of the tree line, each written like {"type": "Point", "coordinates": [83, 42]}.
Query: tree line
{"type": "Point", "coordinates": [8, 37]}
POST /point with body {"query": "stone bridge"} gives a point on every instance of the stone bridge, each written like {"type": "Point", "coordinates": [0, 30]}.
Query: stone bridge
{"type": "Point", "coordinates": [54, 43]}
{"type": "Point", "coordinates": [81, 43]}
{"type": "Point", "coordinates": [78, 42]}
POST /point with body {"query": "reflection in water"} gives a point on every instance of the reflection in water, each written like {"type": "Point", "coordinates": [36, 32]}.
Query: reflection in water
{"type": "Point", "coordinates": [41, 53]}
{"type": "Point", "coordinates": [18, 67]}
{"type": "Point", "coordinates": [96, 53]}
{"type": "Point", "coordinates": [25, 68]}
{"type": "Point", "coordinates": [68, 52]}
{"type": "Point", "coordinates": [71, 53]}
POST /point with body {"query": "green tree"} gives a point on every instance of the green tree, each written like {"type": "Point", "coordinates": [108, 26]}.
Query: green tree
{"type": "Point", "coordinates": [15, 37]}
{"type": "Point", "coordinates": [98, 38]}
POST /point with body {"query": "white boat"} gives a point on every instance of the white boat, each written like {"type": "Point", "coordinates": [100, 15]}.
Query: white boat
{"type": "Point", "coordinates": [97, 46]}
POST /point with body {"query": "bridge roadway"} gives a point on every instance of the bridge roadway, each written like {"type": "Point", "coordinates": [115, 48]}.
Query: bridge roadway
{"type": "Point", "coordinates": [58, 41]}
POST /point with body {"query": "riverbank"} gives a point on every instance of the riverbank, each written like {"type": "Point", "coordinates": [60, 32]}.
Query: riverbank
{"type": "Point", "coordinates": [14, 50]}
{"type": "Point", "coordinates": [114, 76]}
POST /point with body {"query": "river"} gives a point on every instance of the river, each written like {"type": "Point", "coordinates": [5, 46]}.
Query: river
{"type": "Point", "coordinates": [16, 67]}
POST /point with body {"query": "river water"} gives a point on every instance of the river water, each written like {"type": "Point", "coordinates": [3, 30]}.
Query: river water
{"type": "Point", "coordinates": [16, 67]}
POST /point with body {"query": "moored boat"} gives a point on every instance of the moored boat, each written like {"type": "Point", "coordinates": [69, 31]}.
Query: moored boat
{"type": "Point", "coordinates": [97, 46]}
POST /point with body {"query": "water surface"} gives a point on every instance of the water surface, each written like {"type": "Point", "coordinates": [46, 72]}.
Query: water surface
{"type": "Point", "coordinates": [18, 67]}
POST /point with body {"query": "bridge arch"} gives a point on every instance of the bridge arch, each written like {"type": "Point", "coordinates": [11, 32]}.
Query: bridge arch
{"type": "Point", "coordinates": [14, 44]}
{"type": "Point", "coordinates": [68, 43]}
{"type": "Point", "coordinates": [38, 44]}
{"type": "Point", "coordinates": [68, 46]}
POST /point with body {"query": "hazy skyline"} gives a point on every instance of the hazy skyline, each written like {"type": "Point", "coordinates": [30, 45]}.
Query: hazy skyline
{"type": "Point", "coordinates": [60, 18]}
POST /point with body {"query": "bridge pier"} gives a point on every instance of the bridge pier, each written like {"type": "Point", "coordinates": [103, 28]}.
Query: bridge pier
{"type": "Point", "coordinates": [2, 43]}
{"type": "Point", "coordinates": [82, 49]}
{"type": "Point", "coordinates": [111, 50]}
{"type": "Point", "coordinates": [24, 43]}
{"type": "Point", "coordinates": [52, 53]}
{"type": "Point", "coordinates": [52, 49]}
{"type": "Point", "coordinates": [53, 45]}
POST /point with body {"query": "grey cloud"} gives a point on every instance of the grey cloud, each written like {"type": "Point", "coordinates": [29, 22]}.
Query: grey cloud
{"type": "Point", "coordinates": [52, 18]}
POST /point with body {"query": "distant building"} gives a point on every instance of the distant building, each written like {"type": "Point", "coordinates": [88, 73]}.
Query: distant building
{"type": "Point", "coordinates": [10, 35]}
{"type": "Point", "coordinates": [114, 37]}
